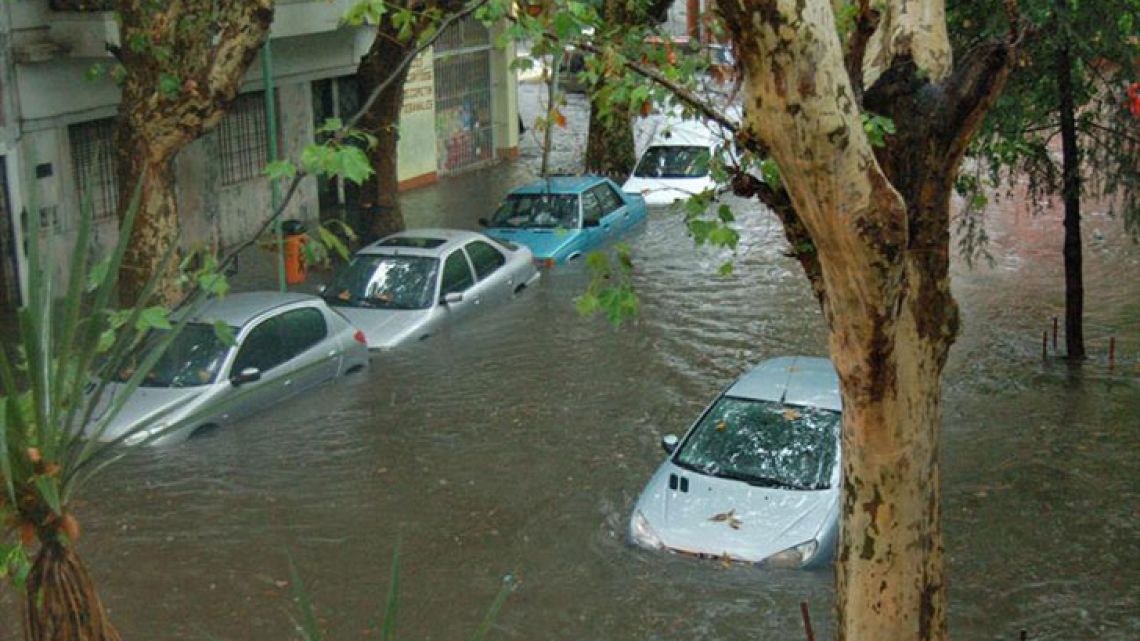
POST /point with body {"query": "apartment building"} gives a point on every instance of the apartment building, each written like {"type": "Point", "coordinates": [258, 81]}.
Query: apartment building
{"type": "Point", "coordinates": [57, 122]}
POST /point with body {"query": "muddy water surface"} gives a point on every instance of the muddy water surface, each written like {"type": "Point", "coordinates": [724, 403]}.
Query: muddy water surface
{"type": "Point", "coordinates": [516, 445]}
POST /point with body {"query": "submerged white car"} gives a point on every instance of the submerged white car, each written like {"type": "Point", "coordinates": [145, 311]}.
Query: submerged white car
{"type": "Point", "coordinates": [410, 285]}
{"type": "Point", "coordinates": [676, 157]}
{"type": "Point", "coordinates": [756, 478]}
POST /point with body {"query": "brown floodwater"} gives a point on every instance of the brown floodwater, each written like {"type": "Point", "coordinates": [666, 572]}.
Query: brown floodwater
{"type": "Point", "coordinates": [517, 444]}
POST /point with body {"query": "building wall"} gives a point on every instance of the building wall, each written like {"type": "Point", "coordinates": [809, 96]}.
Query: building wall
{"type": "Point", "coordinates": [243, 208]}
{"type": "Point", "coordinates": [416, 149]}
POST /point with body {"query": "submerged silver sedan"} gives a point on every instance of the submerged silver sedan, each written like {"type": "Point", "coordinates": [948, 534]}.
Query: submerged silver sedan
{"type": "Point", "coordinates": [756, 478]}
{"type": "Point", "coordinates": [409, 285]}
{"type": "Point", "coordinates": [285, 344]}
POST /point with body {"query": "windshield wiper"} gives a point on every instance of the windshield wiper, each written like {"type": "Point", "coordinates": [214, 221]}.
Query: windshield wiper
{"type": "Point", "coordinates": [761, 481]}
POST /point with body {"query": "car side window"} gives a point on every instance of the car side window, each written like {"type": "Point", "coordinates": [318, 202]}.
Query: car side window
{"type": "Point", "coordinates": [485, 258]}
{"type": "Point", "coordinates": [609, 198]}
{"type": "Point", "coordinates": [591, 208]}
{"type": "Point", "coordinates": [456, 274]}
{"type": "Point", "coordinates": [262, 348]}
{"type": "Point", "coordinates": [303, 328]}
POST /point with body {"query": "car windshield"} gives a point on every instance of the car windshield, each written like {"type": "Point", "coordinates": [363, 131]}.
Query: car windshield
{"type": "Point", "coordinates": [384, 282]}
{"type": "Point", "coordinates": [764, 443]}
{"type": "Point", "coordinates": [673, 161]}
{"type": "Point", "coordinates": [538, 210]}
{"type": "Point", "coordinates": [192, 359]}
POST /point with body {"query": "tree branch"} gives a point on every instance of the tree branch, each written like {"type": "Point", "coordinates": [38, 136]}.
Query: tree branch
{"type": "Point", "coordinates": [866, 22]}
{"type": "Point", "coordinates": [407, 60]}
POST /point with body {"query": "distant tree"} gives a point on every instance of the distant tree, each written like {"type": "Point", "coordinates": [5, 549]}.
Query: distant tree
{"type": "Point", "coordinates": [182, 65]}
{"type": "Point", "coordinates": [622, 27]}
{"type": "Point", "coordinates": [1070, 84]}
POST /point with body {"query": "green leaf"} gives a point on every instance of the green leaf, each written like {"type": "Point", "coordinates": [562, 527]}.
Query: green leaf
{"type": "Point", "coordinates": [280, 169]}
{"type": "Point", "coordinates": [95, 72]}
{"type": "Point", "coordinates": [153, 318]}
{"type": "Point", "coordinates": [48, 487]}
{"type": "Point", "coordinates": [353, 164]}
{"type": "Point", "coordinates": [98, 274]}
{"type": "Point", "coordinates": [587, 304]}
{"type": "Point", "coordinates": [214, 283]}
{"type": "Point", "coordinates": [330, 125]}
{"type": "Point", "coordinates": [225, 333]}
{"type": "Point", "coordinates": [724, 212]}
{"type": "Point", "coordinates": [725, 269]}
{"type": "Point", "coordinates": [330, 240]}
{"type": "Point", "coordinates": [723, 237]}
{"type": "Point", "coordinates": [169, 85]}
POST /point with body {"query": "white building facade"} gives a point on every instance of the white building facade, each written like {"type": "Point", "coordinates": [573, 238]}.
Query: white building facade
{"type": "Point", "coordinates": [57, 122]}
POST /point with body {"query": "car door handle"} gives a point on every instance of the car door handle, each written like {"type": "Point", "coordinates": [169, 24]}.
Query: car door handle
{"type": "Point", "coordinates": [288, 382]}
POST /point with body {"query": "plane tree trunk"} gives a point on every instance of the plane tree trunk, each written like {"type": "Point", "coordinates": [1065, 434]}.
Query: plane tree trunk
{"type": "Point", "coordinates": [870, 225]}
{"type": "Point", "coordinates": [380, 213]}
{"type": "Point", "coordinates": [184, 64]}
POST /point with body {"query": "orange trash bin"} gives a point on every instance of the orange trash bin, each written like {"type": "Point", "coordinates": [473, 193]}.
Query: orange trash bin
{"type": "Point", "coordinates": [295, 268]}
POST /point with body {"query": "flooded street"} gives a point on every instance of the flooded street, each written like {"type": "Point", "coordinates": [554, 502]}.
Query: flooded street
{"type": "Point", "coordinates": [517, 443]}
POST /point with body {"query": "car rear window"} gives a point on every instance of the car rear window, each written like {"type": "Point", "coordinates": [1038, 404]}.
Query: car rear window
{"type": "Point", "coordinates": [412, 241]}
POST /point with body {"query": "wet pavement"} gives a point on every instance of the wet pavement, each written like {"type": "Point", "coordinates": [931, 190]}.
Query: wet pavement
{"type": "Point", "coordinates": [517, 443]}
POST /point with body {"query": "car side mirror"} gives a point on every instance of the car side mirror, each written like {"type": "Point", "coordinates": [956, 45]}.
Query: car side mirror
{"type": "Point", "coordinates": [591, 223]}
{"type": "Point", "coordinates": [247, 375]}
{"type": "Point", "coordinates": [483, 222]}
{"type": "Point", "coordinates": [669, 443]}
{"type": "Point", "coordinates": [451, 298]}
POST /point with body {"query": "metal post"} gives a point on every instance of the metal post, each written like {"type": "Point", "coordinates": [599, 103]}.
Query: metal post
{"type": "Point", "coordinates": [271, 156]}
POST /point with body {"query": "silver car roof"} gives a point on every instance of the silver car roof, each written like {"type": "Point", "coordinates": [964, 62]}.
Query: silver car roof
{"type": "Point", "coordinates": [238, 309]}
{"type": "Point", "coordinates": [452, 238]}
{"type": "Point", "coordinates": [794, 380]}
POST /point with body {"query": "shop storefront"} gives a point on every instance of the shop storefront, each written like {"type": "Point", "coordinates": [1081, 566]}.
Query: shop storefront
{"type": "Point", "coordinates": [463, 114]}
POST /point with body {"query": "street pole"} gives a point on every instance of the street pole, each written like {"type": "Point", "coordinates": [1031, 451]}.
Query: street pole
{"type": "Point", "coordinates": [271, 138]}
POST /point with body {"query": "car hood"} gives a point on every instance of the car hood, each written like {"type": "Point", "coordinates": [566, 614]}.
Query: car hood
{"type": "Point", "coordinates": [384, 328]}
{"type": "Point", "coordinates": [665, 191]}
{"type": "Point", "coordinates": [700, 521]}
{"type": "Point", "coordinates": [146, 407]}
{"type": "Point", "coordinates": [544, 243]}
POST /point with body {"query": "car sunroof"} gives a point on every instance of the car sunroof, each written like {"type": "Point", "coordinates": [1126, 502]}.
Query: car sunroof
{"type": "Point", "coordinates": [413, 241]}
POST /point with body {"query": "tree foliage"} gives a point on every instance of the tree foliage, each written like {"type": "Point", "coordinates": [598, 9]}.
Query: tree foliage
{"type": "Point", "coordinates": [1021, 133]}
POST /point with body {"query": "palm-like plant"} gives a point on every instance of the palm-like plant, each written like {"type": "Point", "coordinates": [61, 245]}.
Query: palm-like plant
{"type": "Point", "coordinates": [52, 380]}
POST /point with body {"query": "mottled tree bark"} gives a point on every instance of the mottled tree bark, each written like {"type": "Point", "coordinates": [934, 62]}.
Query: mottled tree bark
{"type": "Point", "coordinates": [184, 63]}
{"type": "Point", "coordinates": [380, 213]}
{"type": "Point", "coordinates": [871, 228]}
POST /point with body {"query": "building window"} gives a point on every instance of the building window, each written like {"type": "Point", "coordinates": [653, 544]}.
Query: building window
{"type": "Point", "coordinates": [242, 138]}
{"type": "Point", "coordinates": [93, 161]}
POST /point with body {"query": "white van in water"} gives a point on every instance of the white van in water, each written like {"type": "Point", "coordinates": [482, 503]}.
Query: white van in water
{"type": "Point", "coordinates": [676, 161]}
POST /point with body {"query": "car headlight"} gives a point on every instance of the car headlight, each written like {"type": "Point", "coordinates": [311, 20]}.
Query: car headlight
{"type": "Point", "coordinates": [793, 557]}
{"type": "Point", "coordinates": [144, 434]}
{"type": "Point", "coordinates": [642, 533]}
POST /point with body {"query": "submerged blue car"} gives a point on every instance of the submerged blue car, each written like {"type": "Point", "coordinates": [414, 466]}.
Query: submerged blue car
{"type": "Point", "coordinates": [560, 219]}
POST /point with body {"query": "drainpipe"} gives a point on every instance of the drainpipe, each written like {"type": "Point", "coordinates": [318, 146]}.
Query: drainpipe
{"type": "Point", "coordinates": [271, 138]}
